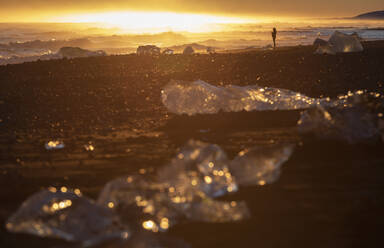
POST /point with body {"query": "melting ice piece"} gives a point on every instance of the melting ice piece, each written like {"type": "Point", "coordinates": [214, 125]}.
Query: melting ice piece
{"type": "Point", "coordinates": [260, 165]}
{"type": "Point", "coordinates": [343, 43]}
{"type": "Point", "coordinates": [182, 189]}
{"type": "Point", "coordinates": [155, 207]}
{"type": "Point", "coordinates": [339, 43]}
{"type": "Point", "coordinates": [140, 200]}
{"type": "Point", "coordinates": [63, 213]}
{"type": "Point", "coordinates": [54, 145]}
{"type": "Point", "coordinates": [199, 166]}
{"type": "Point", "coordinates": [351, 124]}
{"type": "Point", "coordinates": [199, 97]}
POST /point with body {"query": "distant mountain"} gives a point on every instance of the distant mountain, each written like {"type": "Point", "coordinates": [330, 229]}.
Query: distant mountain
{"type": "Point", "coordinates": [376, 15]}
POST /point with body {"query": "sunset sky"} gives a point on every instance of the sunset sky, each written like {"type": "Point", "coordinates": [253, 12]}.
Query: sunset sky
{"type": "Point", "coordinates": [48, 10]}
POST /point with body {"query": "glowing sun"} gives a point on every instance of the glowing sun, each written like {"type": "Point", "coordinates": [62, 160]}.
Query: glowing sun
{"type": "Point", "coordinates": [153, 21]}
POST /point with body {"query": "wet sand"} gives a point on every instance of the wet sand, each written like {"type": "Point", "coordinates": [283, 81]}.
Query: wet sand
{"type": "Point", "coordinates": [329, 194]}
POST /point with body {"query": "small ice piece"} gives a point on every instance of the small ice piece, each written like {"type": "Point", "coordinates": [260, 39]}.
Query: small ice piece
{"type": "Point", "coordinates": [351, 124]}
{"type": "Point", "coordinates": [260, 165]}
{"type": "Point", "coordinates": [150, 50]}
{"type": "Point", "coordinates": [188, 50]}
{"type": "Point", "coordinates": [199, 166]}
{"type": "Point", "coordinates": [199, 97]}
{"type": "Point", "coordinates": [89, 147]}
{"type": "Point", "coordinates": [156, 207]}
{"type": "Point", "coordinates": [140, 201]}
{"type": "Point", "coordinates": [339, 43]}
{"type": "Point", "coordinates": [63, 213]}
{"type": "Point", "coordinates": [54, 145]}
{"type": "Point", "coordinates": [343, 43]}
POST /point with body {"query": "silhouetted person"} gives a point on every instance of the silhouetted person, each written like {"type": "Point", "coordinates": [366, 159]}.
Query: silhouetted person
{"type": "Point", "coordinates": [274, 33]}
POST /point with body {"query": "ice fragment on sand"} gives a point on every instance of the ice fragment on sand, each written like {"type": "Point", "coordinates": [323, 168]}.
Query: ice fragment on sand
{"type": "Point", "coordinates": [188, 50]}
{"type": "Point", "coordinates": [63, 213]}
{"type": "Point", "coordinates": [140, 200]}
{"type": "Point", "coordinates": [260, 165]}
{"type": "Point", "coordinates": [156, 206]}
{"type": "Point", "coordinates": [353, 119]}
{"type": "Point", "coordinates": [199, 166]}
{"type": "Point", "coordinates": [199, 97]}
{"type": "Point", "coordinates": [148, 50]}
{"type": "Point", "coordinates": [339, 43]}
{"type": "Point", "coordinates": [54, 145]}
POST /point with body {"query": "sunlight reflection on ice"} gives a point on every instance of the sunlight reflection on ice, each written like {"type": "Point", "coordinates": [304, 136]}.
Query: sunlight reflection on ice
{"type": "Point", "coordinates": [183, 190]}
{"type": "Point", "coordinates": [199, 97]}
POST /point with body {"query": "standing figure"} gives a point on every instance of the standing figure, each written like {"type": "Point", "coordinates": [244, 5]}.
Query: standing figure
{"type": "Point", "coordinates": [274, 33]}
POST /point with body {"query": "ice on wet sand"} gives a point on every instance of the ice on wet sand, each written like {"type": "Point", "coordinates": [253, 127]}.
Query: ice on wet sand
{"type": "Point", "coordinates": [183, 190]}
{"type": "Point", "coordinates": [199, 97]}
{"type": "Point", "coordinates": [339, 43]}
{"type": "Point", "coordinates": [260, 165]}
{"type": "Point", "coordinates": [54, 145]}
{"type": "Point", "coordinates": [353, 118]}
{"type": "Point", "coordinates": [63, 213]}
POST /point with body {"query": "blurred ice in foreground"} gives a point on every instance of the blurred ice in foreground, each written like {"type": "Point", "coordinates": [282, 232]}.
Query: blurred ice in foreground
{"type": "Point", "coordinates": [63, 213]}
{"type": "Point", "coordinates": [184, 190]}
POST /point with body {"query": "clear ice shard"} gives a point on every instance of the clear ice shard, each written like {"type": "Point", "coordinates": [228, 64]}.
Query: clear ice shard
{"type": "Point", "coordinates": [354, 119]}
{"type": "Point", "coordinates": [54, 145]}
{"type": "Point", "coordinates": [63, 213]}
{"type": "Point", "coordinates": [156, 208]}
{"type": "Point", "coordinates": [182, 190]}
{"type": "Point", "coordinates": [260, 165]}
{"type": "Point", "coordinates": [140, 201]}
{"type": "Point", "coordinates": [199, 166]}
{"type": "Point", "coordinates": [199, 97]}
{"type": "Point", "coordinates": [339, 43]}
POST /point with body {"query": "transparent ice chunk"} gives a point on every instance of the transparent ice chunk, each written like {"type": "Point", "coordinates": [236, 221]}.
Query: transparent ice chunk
{"type": "Point", "coordinates": [344, 43]}
{"type": "Point", "coordinates": [260, 165]}
{"type": "Point", "coordinates": [63, 213]}
{"type": "Point", "coordinates": [199, 97]}
{"type": "Point", "coordinates": [141, 201]}
{"type": "Point", "coordinates": [199, 166]}
{"type": "Point", "coordinates": [339, 43]}
{"type": "Point", "coordinates": [351, 125]}
{"type": "Point", "coordinates": [54, 145]}
{"type": "Point", "coordinates": [156, 207]}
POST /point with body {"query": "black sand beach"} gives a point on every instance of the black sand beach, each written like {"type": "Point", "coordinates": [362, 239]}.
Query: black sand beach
{"type": "Point", "coordinates": [330, 194]}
